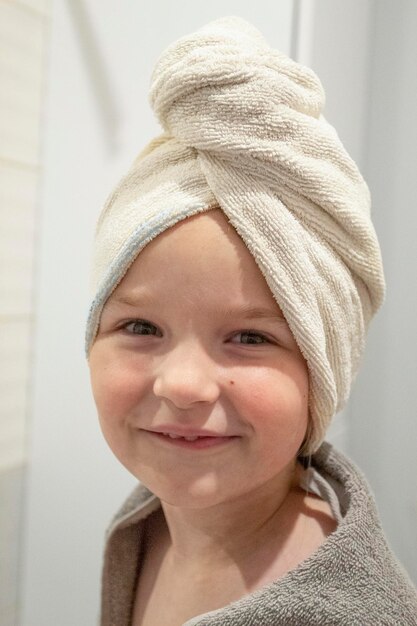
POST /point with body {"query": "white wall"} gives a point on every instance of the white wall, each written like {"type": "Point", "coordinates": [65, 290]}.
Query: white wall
{"type": "Point", "coordinates": [384, 424]}
{"type": "Point", "coordinates": [23, 40]}
{"type": "Point", "coordinates": [97, 119]}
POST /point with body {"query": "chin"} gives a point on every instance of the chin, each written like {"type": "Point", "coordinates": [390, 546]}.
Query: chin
{"type": "Point", "coordinates": [196, 493]}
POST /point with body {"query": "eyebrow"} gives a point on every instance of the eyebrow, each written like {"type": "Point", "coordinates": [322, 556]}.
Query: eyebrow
{"type": "Point", "coordinates": [253, 312]}
{"type": "Point", "coordinates": [245, 311]}
{"type": "Point", "coordinates": [129, 299]}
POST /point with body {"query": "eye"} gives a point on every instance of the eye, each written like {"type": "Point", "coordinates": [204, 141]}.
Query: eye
{"type": "Point", "coordinates": [142, 327]}
{"type": "Point", "coordinates": [249, 337]}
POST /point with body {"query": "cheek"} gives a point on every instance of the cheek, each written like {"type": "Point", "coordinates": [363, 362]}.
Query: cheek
{"type": "Point", "coordinates": [275, 403]}
{"type": "Point", "coordinates": [117, 384]}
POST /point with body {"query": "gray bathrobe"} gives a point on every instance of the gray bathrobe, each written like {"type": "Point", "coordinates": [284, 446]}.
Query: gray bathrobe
{"type": "Point", "coordinates": [353, 579]}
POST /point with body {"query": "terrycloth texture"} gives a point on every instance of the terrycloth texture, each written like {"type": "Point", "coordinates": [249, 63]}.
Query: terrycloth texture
{"type": "Point", "coordinates": [353, 579]}
{"type": "Point", "coordinates": [244, 131]}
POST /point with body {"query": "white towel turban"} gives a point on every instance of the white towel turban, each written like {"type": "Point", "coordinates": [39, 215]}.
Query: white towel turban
{"type": "Point", "coordinates": [244, 132]}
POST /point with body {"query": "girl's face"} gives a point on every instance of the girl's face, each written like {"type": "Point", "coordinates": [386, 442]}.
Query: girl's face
{"type": "Point", "coordinates": [201, 389]}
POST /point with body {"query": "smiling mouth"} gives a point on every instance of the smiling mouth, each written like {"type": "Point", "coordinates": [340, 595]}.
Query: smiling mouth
{"type": "Point", "coordinates": [194, 442]}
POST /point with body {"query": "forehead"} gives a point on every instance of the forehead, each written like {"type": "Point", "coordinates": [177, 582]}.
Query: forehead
{"type": "Point", "coordinates": [205, 243]}
{"type": "Point", "coordinates": [208, 231]}
{"type": "Point", "coordinates": [201, 258]}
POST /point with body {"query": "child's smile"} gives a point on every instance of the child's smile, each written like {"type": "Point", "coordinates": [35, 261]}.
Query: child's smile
{"type": "Point", "coordinates": [190, 441]}
{"type": "Point", "coordinates": [201, 389]}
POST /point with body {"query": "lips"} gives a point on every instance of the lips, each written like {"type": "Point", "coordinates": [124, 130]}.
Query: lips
{"type": "Point", "coordinates": [191, 439]}
{"type": "Point", "coordinates": [178, 431]}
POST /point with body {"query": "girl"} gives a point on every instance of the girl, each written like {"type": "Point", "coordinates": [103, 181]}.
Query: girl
{"type": "Point", "coordinates": [236, 272]}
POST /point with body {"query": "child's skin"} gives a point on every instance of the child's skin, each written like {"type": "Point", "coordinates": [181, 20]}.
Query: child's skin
{"type": "Point", "coordinates": [233, 517]}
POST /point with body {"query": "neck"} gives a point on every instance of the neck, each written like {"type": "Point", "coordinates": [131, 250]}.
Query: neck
{"type": "Point", "coordinates": [232, 533]}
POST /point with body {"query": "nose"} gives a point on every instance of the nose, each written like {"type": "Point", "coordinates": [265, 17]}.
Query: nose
{"type": "Point", "coordinates": [186, 376]}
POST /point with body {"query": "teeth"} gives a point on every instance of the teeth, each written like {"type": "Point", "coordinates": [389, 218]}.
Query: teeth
{"type": "Point", "coordinates": [172, 436]}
